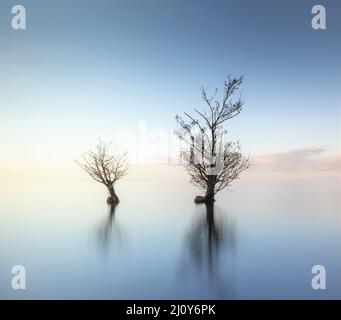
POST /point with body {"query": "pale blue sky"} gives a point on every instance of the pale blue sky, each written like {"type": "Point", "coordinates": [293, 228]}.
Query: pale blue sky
{"type": "Point", "coordinates": [85, 69]}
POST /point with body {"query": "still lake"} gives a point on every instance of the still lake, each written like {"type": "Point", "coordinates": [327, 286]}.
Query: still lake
{"type": "Point", "coordinates": [258, 242]}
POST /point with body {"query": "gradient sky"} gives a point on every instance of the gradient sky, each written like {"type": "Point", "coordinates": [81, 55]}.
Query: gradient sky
{"type": "Point", "coordinates": [87, 69]}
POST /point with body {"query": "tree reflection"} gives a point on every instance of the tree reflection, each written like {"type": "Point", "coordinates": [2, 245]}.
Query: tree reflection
{"type": "Point", "coordinates": [210, 243]}
{"type": "Point", "coordinates": [109, 230]}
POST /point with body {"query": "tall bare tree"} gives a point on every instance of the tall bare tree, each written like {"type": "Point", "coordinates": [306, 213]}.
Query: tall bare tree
{"type": "Point", "coordinates": [211, 161]}
{"type": "Point", "coordinates": [105, 168]}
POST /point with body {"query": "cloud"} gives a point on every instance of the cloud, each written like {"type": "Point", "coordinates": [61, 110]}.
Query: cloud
{"type": "Point", "coordinates": [305, 161]}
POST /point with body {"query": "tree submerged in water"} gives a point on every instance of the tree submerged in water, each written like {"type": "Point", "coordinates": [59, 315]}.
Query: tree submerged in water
{"type": "Point", "coordinates": [105, 168]}
{"type": "Point", "coordinates": [211, 161]}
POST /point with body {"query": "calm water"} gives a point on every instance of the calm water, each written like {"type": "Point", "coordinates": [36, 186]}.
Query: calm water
{"type": "Point", "coordinates": [258, 242]}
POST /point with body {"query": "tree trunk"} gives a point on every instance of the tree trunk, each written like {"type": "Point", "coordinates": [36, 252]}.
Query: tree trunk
{"type": "Point", "coordinates": [209, 196]}
{"type": "Point", "coordinates": [113, 198]}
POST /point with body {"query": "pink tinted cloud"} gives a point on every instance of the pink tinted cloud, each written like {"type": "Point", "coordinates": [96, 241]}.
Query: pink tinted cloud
{"type": "Point", "coordinates": [299, 161]}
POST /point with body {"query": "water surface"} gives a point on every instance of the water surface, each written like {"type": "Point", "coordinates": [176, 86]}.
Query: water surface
{"type": "Point", "coordinates": [258, 242]}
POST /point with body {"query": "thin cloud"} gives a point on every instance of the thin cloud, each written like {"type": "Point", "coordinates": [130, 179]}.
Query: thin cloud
{"type": "Point", "coordinates": [305, 160]}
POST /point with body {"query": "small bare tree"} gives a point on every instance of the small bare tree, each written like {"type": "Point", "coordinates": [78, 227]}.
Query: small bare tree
{"type": "Point", "coordinates": [105, 168]}
{"type": "Point", "coordinates": [212, 162]}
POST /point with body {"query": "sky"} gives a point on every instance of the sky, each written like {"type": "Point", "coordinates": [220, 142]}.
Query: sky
{"type": "Point", "coordinates": [122, 70]}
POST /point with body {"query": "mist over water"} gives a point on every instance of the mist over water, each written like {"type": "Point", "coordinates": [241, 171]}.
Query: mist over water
{"type": "Point", "coordinates": [258, 242]}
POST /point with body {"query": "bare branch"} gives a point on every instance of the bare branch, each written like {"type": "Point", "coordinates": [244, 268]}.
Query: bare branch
{"type": "Point", "coordinates": [212, 163]}
{"type": "Point", "coordinates": [104, 167]}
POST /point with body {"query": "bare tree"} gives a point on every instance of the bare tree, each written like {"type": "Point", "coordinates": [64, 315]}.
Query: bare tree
{"type": "Point", "coordinates": [105, 168]}
{"type": "Point", "coordinates": [212, 162]}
